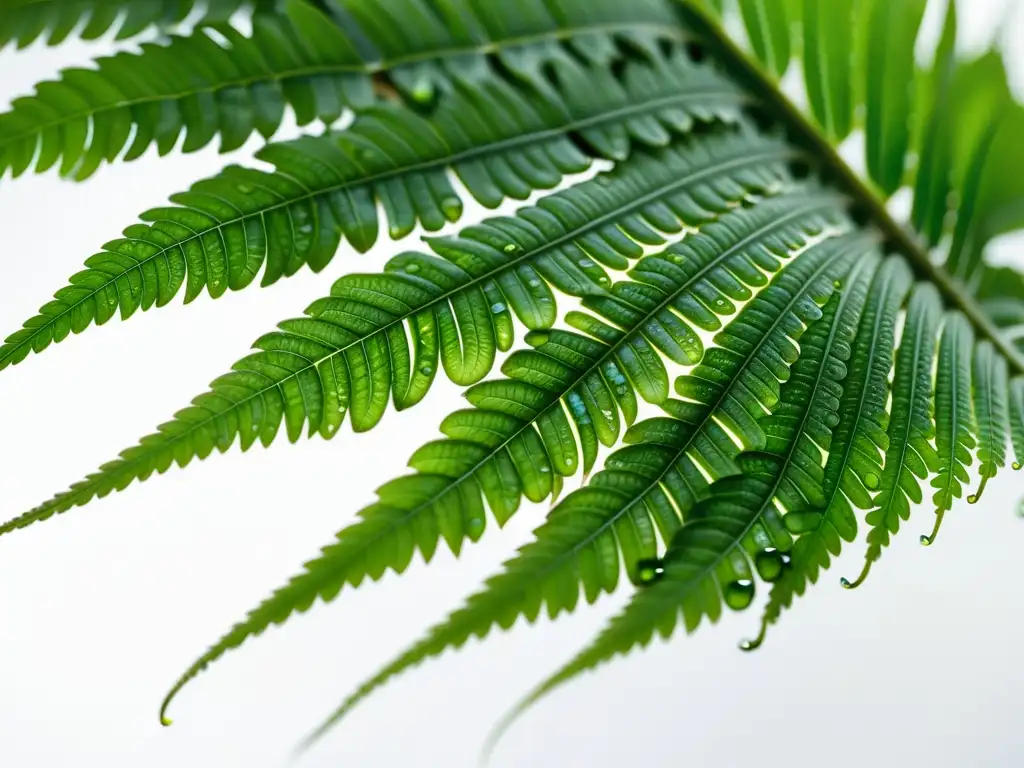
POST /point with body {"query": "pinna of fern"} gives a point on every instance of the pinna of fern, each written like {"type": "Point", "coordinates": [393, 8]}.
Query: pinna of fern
{"type": "Point", "coordinates": [850, 368]}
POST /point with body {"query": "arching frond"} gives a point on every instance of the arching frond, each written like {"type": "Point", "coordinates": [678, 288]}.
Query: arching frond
{"type": "Point", "coordinates": [990, 409]}
{"type": "Point", "coordinates": [515, 451]}
{"type": "Point", "coordinates": [229, 229]}
{"type": "Point", "coordinates": [910, 457]}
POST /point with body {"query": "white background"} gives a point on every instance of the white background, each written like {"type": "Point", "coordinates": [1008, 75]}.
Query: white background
{"type": "Point", "coordinates": [104, 607]}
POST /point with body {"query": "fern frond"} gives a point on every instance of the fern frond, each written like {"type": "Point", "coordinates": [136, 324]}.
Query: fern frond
{"type": "Point", "coordinates": [519, 438]}
{"type": "Point", "coordinates": [25, 21]}
{"type": "Point", "coordinates": [1017, 420]}
{"type": "Point", "coordinates": [990, 410]}
{"type": "Point", "coordinates": [351, 352]}
{"type": "Point", "coordinates": [228, 229]}
{"type": "Point", "coordinates": [910, 457]}
{"type": "Point", "coordinates": [232, 85]}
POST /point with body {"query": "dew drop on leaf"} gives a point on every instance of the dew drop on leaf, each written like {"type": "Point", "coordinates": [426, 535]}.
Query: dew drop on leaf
{"type": "Point", "coordinates": [585, 263]}
{"type": "Point", "coordinates": [802, 522]}
{"type": "Point", "coordinates": [871, 480]}
{"type": "Point", "coordinates": [412, 269]}
{"type": "Point", "coordinates": [426, 370]}
{"type": "Point", "coordinates": [739, 594]}
{"type": "Point", "coordinates": [511, 248]}
{"type": "Point", "coordinates": [770, 564]}
{"type": "Point", "coordinates": [649, 571]}
{"type": "Point", "coordinates": [497, 308]}
{"type": "Point", "coordinates": [245, 189]}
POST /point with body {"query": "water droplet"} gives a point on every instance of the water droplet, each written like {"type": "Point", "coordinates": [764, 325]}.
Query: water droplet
{"type": "Point", "coordinates": [245, 189]}
{"type": "Point", "coordinates": [497, 308]}
{"type": "Point", "coordinates": [802, 522]}
{"type": "Point", "coordinates": [511, 248]}
{"type": "Point", "coordinates": [622, 389]}
{"type": "Point", "coordinates": [677, 259]}
{"type": "Point", "coordinates": [533, 282]}
{"type": "Point", "coordinates": [585, 263]}
{"type": "Point", "coordinates": [412, 269]}
{"type": "Point", "coordinates": [537, 338]}
{"type": "Point", "coordinates": [836, 284]}
{"type": "Point", "coordinates": [739, 594]}
{"type": "Point", "coordinates": [423, 91]}
{"type": "Point", "coordinates": [451, 207]}
{"type": "Point", "coordinates": [603, 280]}
{"type": "Point", "coordinates": [545, 470]}
{"type": "Point", "coordinates": [872, 481]}
{"type": "Point", "coordinates": [649, 571]}
{"type": "Point", "coordinates": [770, 564]}
{"type": "Point", "coordinates": [569, 461]}
{"type": "Point", "coordinates": [426, 370]}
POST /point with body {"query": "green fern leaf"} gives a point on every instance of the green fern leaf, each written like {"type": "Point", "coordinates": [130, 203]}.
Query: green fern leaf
{"type": "Point", "coordinates": [910, 457]}
{"type": "Point", "coordinates": [518, 439]}
{"type": "Point", "coordinates": [854, 468]}
{"type": "Point", "coordinates": [990, 410]}
{"type": "Point", "coordinates": [227, 230]}
{"type": "Point", "coordinates": [954, 416]}
{"type": "Point", "coordinates": [25, 21]}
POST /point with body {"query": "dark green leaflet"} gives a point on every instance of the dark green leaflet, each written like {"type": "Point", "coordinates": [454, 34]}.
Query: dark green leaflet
{"type": "Point", "coordinates": [910, 457]}
{"type": "Point", "coordinates": [518, 441]}
{"type": "Point", "coordinates": [954, 416]}
{"type": "Point", "coordinates": [1017, 420]}
{"type": "Point", "coordinates": [352, 352]}
{"type": "Point", "coordinates": [828, 64]}
{"type": "Point", "coordinates": [25, 21]}
{"type": "Point", "coordinates": [853, 471]}
{"type": "Point", "coordinates": [296, 58]}
{"type": "Point", "coordinates": [227, 230]}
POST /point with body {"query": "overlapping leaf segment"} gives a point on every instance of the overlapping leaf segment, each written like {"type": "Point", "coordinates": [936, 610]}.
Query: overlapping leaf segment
{"type": "Point", "coordinates": [847, 366]}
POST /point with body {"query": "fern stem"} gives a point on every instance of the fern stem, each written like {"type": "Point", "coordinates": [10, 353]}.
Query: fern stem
{"type": "Point", "coordinates": [805, 134]}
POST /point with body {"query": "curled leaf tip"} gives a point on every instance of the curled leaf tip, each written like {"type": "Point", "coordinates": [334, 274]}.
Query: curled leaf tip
{"type": "Point", "coordinates": [975, 497]}
{"type": "Point", "coordinates": [847, 584]}
{"type": "Point", "coordinates": [752, 645]}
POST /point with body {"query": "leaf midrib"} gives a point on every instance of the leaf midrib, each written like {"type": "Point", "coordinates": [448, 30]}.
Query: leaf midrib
{"type": "Point", "coordinates": [493, 148]}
